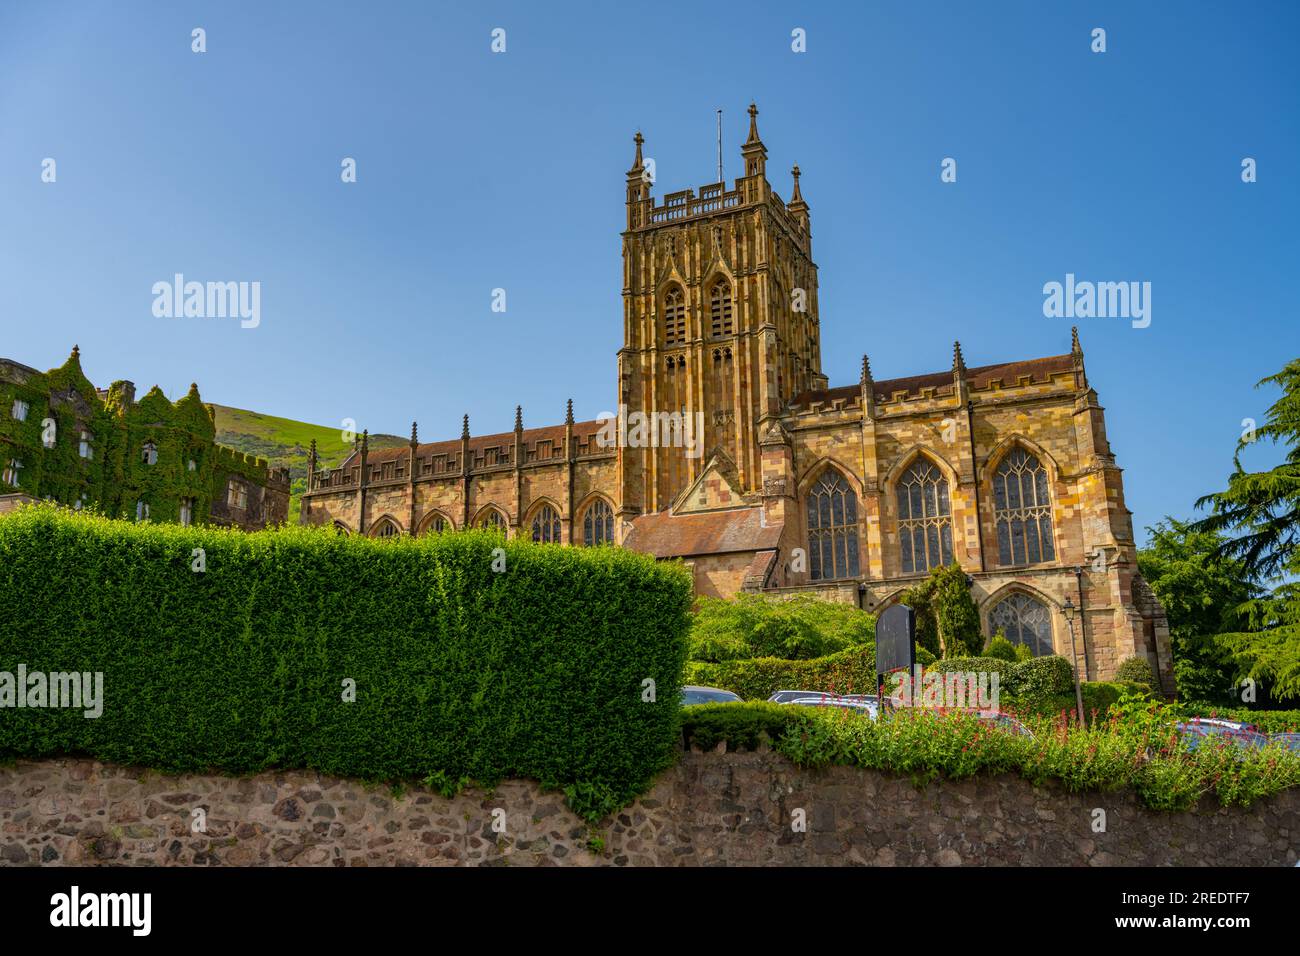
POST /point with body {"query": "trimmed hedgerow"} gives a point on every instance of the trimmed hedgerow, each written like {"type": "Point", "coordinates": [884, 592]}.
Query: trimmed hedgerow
{"type": "Point", "coordinates": [460, 671]}
{"type": "Point", "coordinates": [851, 671]}
{"type": "Point", "coordinates": [1265, 721]}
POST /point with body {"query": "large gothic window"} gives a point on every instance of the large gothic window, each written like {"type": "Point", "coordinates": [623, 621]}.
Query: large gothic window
{"type": "Point", "coordinates": [385, 529]}
{"type": "Point", "coordinates": [674, 317]}
{"type": "Point", "coordinates": [832, 528]}
{"type": "Point", "coordinates": [720, 308]}
{"type": "Point", "coordinates": [924, 518]}
{"type": "Point", "coordinates": [1023, 510]}
{"type": "Point", "coordinates": [546, 525]}
{"type": "Point", "coordinates": [437, 523]}
{"type": "Point", "coordinates": [1024, 620]}
{"type": "Point", "coordinates": [598, 524]}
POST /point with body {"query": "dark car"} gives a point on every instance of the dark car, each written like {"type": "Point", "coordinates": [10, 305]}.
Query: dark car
{"type": "Point", "coordinates": [692, 694]}
{"type": "Point", "coordinates": [1197, 729]}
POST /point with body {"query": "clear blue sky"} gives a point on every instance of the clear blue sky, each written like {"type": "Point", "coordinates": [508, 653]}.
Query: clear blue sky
{"type": "Point", "coordinates": [478, 171]}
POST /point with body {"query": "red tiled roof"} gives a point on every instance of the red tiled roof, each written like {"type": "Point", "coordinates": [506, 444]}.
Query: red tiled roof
{"type": "Point", "coordinates": [1009, 373]}
{"type": "Point", "coordinates": [554, 433]}
{"type": "Point", "coordinates": [666, 535]}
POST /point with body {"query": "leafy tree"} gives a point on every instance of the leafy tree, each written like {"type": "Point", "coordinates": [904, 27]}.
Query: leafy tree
{"type": "Point", "coordinates": [798, 628]}
{"type": "Point", "coordinates": [947, 620]}
{"type": "Point", "coordinates": [1202, 593]}
{"type": "Point", "coordinates": [1258, 515]}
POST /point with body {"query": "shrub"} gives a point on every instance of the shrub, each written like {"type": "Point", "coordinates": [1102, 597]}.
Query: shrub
{"type": "Point", "coordinates": [798, 628]}
{"type": "Point", "coordinates": [1001, 648]}
{"type": "Point", "coordinates": [742, 726]}
{"type": "Point", "coordinates": [852, 671]}
{"type": "Point", "coordinates": [1265, 721]}
{"type": "Point", "coordinates": [459, 672]}
{"type": "Point", "coordinates": [1137, 670]}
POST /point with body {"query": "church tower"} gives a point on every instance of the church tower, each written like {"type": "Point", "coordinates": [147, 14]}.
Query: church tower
{"type": "Point", "coordinates": [720, 325]}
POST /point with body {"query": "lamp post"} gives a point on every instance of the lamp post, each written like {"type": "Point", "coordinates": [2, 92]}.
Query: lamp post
{"type": "Point", "coordinates": [1078, 690]}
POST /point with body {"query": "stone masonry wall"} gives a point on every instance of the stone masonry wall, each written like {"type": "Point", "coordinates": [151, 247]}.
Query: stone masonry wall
{"type": "Point", "coordinates": [711, 809]}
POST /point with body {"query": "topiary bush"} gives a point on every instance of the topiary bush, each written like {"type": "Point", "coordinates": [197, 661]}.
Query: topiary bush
{"type": "Point", "coordinates": [1135, 669]}
{"type": "Point", "coordinates": [459, 671]}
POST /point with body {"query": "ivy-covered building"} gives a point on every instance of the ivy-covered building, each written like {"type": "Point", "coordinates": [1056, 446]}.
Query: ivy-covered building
{"type": "Point", "coordinates": [62, 439]}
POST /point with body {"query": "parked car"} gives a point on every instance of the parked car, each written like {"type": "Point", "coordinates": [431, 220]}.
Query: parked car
{"type": "Point", "coordinates": [786, 696]}
{"type": "Point", "coordinates": [1008, 723]}
{"type": "Point", "coordinates": [692, 694]}
{"type": "Point", "coordinates": [1197, 729]}
{"type": "Point", "coordinates": [830, 700]}
{"type": "Point", "coordinates": [1290, 741]}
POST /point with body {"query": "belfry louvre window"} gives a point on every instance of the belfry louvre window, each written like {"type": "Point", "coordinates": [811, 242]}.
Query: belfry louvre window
{"type": "Point", "coordinates": [720, 308]}
{"type": "Point", "coordinates": [1023, 510]}
{"type": "Point", "coordinates": [924, 518]}
{"type": "Point", "coordinates": [546, 526]}
{"type": "Point", "coordinates": [674, 317]}
{"type": "Point", "coordinates": [598, 524]}
{"type": "Point", "coordinates": [1024, 620]}
{"type": "Point", "coordinates": [832, 528]}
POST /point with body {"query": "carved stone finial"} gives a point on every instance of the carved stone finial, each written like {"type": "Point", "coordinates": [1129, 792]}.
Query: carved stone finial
{"type": "Point", "coordinates": [753, 125]}
{"type": "Point", "coordinates": [796, 195]}
{"type": "Point", "coordinates": [519, 418]}
{"type": "Point", "coordinates": [568, 412]}
{"type": "Point", "coordinates": [365, 441]}
{"type": "Point", "coordinates": [866, 370]}
{"type": "Point", "coordinates": [415, 433]}
{"type": "Point", "coordinates": [1075, 347]}
{"type": "Point", "coordinates": [464, 429]}
{"type": "Point", "coordinates": [958, 361]}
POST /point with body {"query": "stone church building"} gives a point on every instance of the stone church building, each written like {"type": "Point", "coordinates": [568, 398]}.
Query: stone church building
{"type": "Point", "coordinates": [761, 477]}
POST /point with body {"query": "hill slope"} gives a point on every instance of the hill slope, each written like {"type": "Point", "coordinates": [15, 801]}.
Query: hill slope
{"type": "Point", "coordinates": [285, 443]}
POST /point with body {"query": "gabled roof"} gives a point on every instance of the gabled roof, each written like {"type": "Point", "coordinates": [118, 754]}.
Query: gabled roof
{"type": "Point", "coordinates": [666, 535]}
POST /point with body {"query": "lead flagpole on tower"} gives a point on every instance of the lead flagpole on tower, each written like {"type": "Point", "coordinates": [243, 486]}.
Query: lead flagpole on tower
{"type": "Point", "coordinates": [720, 179]}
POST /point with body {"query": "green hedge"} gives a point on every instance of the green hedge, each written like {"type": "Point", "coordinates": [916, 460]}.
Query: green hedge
{"type": "Point", "coordinates": [460, 671]}
{"type": "Point", "coordinates": [802, 627]}
{"type": "Point", "coordinates": [1031, 681]}
{"type": "Point", "coordinates": [851, 671]}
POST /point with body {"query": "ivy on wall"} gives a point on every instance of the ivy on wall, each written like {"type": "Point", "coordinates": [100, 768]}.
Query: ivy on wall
{"type": "Point", "coordinates": [63, 405]}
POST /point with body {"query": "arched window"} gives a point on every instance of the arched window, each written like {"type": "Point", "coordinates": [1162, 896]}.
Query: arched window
{"type": "Point", "coordinates": [386, 529]}
{"type": "Point", "coordinates": [341, 528]}
{"type": "Point", "coordinates": [832, 528]}
{"type": "Point", "coordinates": [149, 453]}
{"type": "Point", "coordinates": [720, 307]}
{"type": "Point", "coordinates": [1024, 620]}
{"type": "Point", "coordinates": [546, 526]}
{"type": "Point", "coordinates": [924, 518]}
{"type": "Point", "coordinates": [598, 524]}
{"type": "Point", "coordinates": [674, 317]}
{"type": "Point", "coordinates": [1023, 510]}
{"type": "Point", "coordinates": [493, 520]}
{"type": "Point", "coordinates": [437, 523]}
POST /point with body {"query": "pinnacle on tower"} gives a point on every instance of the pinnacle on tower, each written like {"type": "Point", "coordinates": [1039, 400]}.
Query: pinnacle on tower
{"type": "Point", "coordinates": [638, 163]}
{"type": "Point", "coordinates": [958, 361]}
{"type": "Point", "coordinates": [365, 441]}
{"type": "Point", "coordinates": [796, 195]}
{"type": "Point", "coordinates": [1075, 347]}
{"type": "Point", "coordinates": [464, 429]}
{"type": "Point", "coordinates": [866, 370]}
{"type": "Point", "coordinates": [568, 412]}
{"type": "Point", "coordinates": [753, 126]}
{"type": "Point", "coordinates": [415, 434]}
{"type": "Point", "coordinates": [519, 418]}
{"type": "Point", "coordinates": [311, 455]}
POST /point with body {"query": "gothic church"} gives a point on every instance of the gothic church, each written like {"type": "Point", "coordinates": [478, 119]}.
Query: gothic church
{"type": "Point", "coordinates": [853, 493]}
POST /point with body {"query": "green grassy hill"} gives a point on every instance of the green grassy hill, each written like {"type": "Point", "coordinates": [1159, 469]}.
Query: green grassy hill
{"type": "Point", "coordinates": [285, 443]}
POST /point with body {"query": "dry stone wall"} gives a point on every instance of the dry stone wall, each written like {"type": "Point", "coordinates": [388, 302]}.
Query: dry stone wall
{"type": "Point", "coordinates": [710, 809]}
